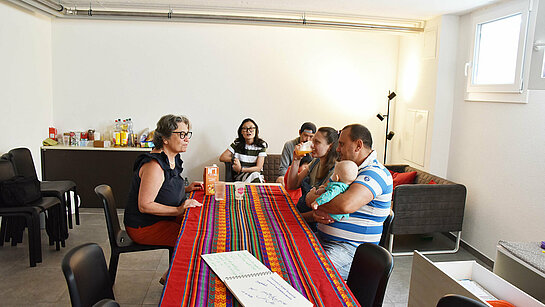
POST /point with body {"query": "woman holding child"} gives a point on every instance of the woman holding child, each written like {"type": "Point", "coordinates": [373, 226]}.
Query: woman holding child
{"type": "Point", "coordinates": [320, 169]}
{"type": "Point", "coordinates": [247, 153]}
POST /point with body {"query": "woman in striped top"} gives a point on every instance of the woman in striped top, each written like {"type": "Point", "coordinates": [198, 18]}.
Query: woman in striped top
{"type": "Point", "coordinates": [247, 153]}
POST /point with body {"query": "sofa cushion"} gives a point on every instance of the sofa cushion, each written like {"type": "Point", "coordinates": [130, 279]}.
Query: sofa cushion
{"type": "Point", "coordinates": [403, 178]}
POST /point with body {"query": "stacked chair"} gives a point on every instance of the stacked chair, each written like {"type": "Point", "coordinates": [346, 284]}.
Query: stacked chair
{"type": "Point", "coordinates": [23, 163]}
{"type": "Point", "coordinates": [27, 215]}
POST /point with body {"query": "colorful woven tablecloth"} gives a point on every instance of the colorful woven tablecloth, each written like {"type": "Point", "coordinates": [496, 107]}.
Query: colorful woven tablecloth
{"type": "Point", "coordinates": [266, 224]}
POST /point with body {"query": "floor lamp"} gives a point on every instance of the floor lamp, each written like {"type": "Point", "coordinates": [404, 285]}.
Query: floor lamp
{"type": "Point", "coordinates": [389, 134]}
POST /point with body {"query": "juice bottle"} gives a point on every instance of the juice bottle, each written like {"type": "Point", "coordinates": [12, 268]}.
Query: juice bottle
{"type": "Point", "coordinates": [124, 134]}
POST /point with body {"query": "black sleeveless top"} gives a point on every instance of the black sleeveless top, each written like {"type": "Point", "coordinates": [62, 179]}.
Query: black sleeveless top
{"type": "Point", "coordinates": [171, 193]}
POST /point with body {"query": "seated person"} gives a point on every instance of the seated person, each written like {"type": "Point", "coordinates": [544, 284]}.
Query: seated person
{"type": "Point", "coordinates": [344, 174]}
{"type": "Point", "coordinates": [247, 153]}
{"type": "Point", "coordinates": [296, 193]}
{"type": "Point", "coordinates": [306, 133]}
{"type": "Point", "coordinates": [157, 196]}
{"type": "Point", "coordinates": [368, 198]}
{"type": "Point", "coordinates": [320, 169]}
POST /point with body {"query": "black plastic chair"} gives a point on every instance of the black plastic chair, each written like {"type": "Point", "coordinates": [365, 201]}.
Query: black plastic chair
{"type": "Point", "coordinates": [120, 242]}
{"type": "Point", "coordinates": [229, 173]}
{"type": "Point", "coordinates": [24, 165]}
{"type": "Point", "coordinates": [386, 230]}
{"type": "Point", "coordinates": [87, 276]}
{"type": "Point", "coordinates": [369, 274]}
{"type": "Point", "coordinates": [30, 213]}
{"type": "Point", "coordinates": [455, 300]}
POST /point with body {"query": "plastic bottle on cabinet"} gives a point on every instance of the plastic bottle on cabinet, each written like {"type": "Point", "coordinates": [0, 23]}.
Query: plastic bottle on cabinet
{"type": "Point", "coordinates": [116, 136]}
{"type": "Point", "coordinates": [124, 134]}
{"type": "Point", "coordinates": [131, 142]}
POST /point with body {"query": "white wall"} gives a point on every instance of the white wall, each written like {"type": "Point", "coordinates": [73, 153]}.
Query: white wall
{"type": "Point", "coordinates": [497, 151]}
{"type": "Point", "coordinates": [416, 88]}
{"type": "Point", "coordinates": [218, 75]}
{"type": "Point", "coordinates": [426, 82]}
{"type": "Point", "coordinates": [25, 79]}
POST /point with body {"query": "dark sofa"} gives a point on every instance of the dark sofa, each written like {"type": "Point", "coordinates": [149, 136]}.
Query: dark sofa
{"type": "Point", "coordinates": [423, 208]}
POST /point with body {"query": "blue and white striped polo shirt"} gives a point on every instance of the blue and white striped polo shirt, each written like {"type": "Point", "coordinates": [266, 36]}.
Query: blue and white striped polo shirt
{"type": "Point", "coordinates": [365, 225]}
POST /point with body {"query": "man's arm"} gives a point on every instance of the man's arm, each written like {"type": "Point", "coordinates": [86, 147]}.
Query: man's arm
{"type": "Point", "coordinates": [350, 201]}
{"type": "Point", "coordinates": [285, 159]}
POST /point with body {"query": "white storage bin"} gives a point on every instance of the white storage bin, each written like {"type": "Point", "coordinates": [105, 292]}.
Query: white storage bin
{"type": "Point", "coordinates": [430, 281]}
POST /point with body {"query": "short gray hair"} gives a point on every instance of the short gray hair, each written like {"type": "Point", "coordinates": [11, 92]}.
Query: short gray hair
{"type": "Point", "coordinates": [165, 126]}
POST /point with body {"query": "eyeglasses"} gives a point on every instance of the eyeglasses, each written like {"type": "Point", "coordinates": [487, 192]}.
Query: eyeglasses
{"type": "Point", "coordinates": [184, 134]}
{"type": "Point", "coordinates": [249, 129]}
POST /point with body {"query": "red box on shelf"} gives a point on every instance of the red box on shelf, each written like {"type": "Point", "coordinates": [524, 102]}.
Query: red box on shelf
{"type": "Point", "coordinates": [52, 133]}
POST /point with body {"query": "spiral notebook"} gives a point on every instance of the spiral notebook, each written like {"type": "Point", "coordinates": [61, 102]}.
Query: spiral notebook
{"type": "Point", "coordinates": [251, 282]}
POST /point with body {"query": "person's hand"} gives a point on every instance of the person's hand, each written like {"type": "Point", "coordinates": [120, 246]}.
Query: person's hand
{"type": "Point", "coordinates": [194, 186]}
{"type": "Point", "coordinates": [311, 196]}
{"type": "Point", "coordinates": [320, 190]}
{"type": "Point", "coordinates": [236, 165]}
{"type": "Point", "coordinates": [188, 203]}
{"type": "Point", "coordinates": [280, 180]}
{"type": "Point", "coordinates": [322, 217]}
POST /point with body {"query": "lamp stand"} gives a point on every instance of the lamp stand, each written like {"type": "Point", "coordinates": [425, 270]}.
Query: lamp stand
{"type": "Point", "coordinates": [387, 121]}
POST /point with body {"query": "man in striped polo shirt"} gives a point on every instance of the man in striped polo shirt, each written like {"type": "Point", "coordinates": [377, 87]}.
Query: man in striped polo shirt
{"type": "Point", "coordinates": [367, 201]}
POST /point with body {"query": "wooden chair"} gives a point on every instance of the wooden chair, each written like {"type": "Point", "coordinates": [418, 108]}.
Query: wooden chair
{"type": "Point", "coordinates": [120, 242]}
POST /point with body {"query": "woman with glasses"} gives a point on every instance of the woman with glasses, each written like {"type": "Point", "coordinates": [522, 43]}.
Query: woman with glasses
{"type": "Point", "coordinates": [247, 153]}
{"type": "Point", "coordinates": [157, 196]}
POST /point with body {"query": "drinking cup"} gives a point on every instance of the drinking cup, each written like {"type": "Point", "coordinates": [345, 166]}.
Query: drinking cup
{"type": "Point", "coordinates": [240, 187]}
{"type": "Point", "coordinates": [219, 190]}
{"type": "Point", "coordinates": [304, 148]}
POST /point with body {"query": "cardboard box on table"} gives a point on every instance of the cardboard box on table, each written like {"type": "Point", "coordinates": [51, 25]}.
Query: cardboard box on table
{"type": "Point", "coordinates": [211, 174]}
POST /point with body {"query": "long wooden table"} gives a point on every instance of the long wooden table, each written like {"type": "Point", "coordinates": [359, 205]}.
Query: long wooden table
{"type": "Point", "coordinates": [266, 224]}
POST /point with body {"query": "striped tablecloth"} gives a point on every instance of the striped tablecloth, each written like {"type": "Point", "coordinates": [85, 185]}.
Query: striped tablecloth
{"type": "Point", "coordinates": [266, 224]}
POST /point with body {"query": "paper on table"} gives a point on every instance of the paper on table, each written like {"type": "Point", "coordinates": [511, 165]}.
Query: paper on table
{"type": "Point", "coordinates": [251, 282]}
{"type": "Point", "coordinates": [265, 290]}
{"type": "Point", "coordinates": [235, 263]}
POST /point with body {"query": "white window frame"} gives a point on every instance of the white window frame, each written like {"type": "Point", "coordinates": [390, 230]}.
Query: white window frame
{"type": "Point", "coordinates": [498, 12]}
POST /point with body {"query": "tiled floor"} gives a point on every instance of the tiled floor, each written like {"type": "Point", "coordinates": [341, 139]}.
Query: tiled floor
{"type": "Point", "coordinates": [137, 282]}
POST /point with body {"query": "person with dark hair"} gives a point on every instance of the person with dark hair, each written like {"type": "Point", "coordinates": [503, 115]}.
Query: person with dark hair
{"type": "Point", "coordinates": [306, 133]}
{"type": "Point", "coordinates": [247, 153]}
{"type": "Point", "coordinates": [157, 195]}
{"type": "Point", "coordinates": [320, 169]}
{"type": "Point", "coordinates": [367, 201]}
